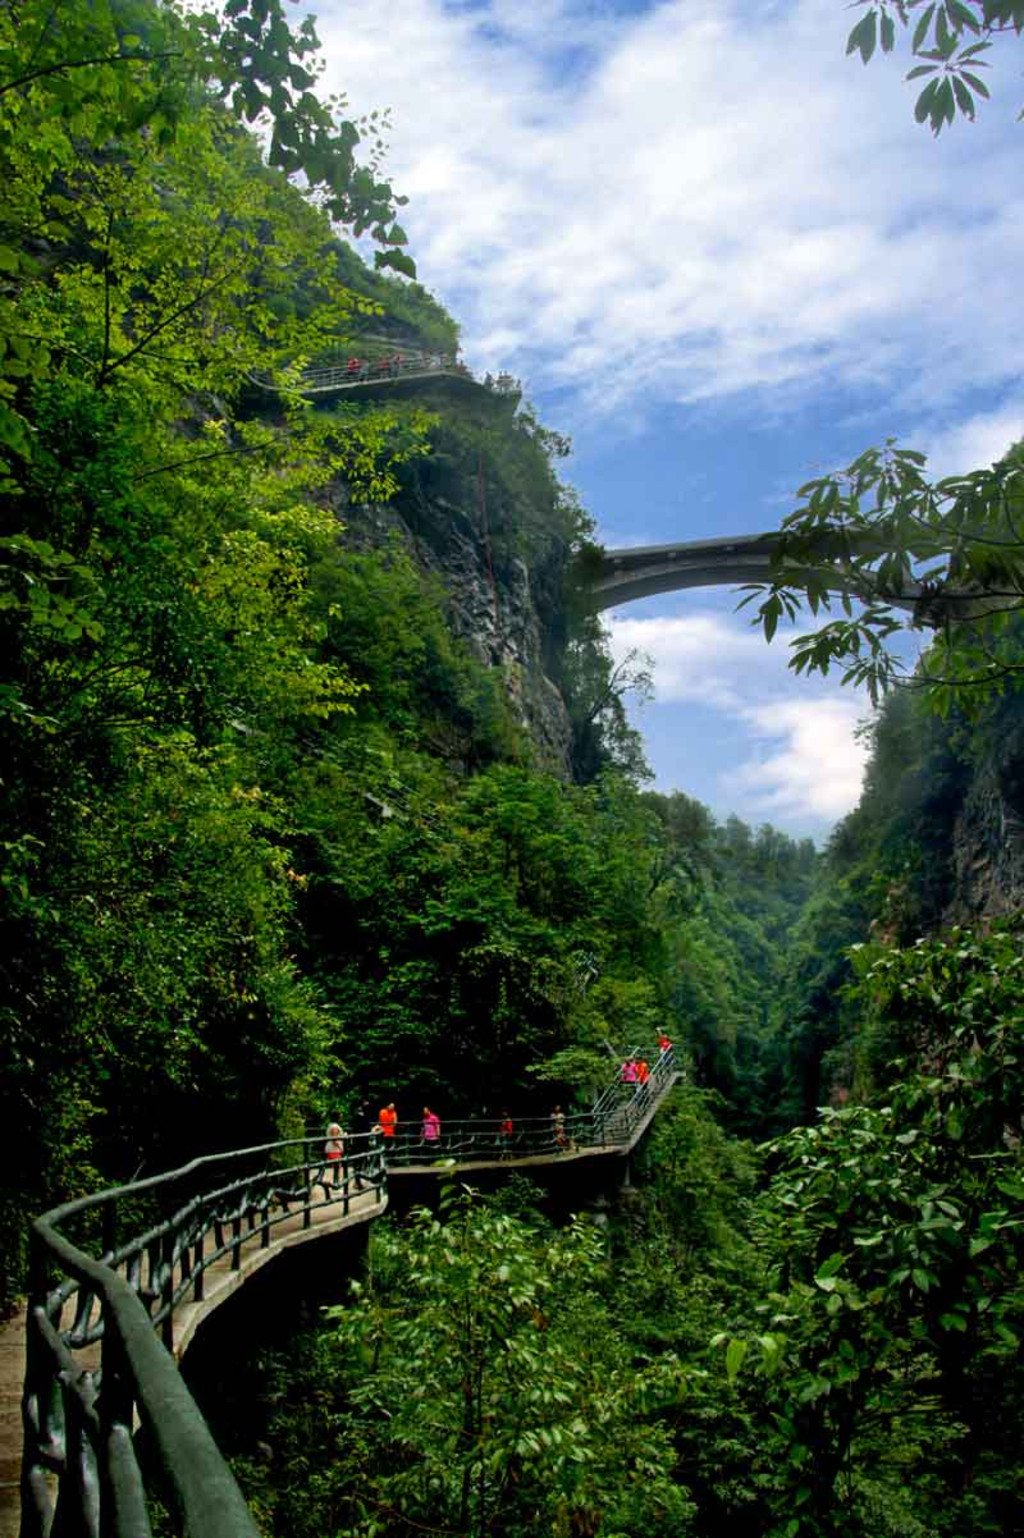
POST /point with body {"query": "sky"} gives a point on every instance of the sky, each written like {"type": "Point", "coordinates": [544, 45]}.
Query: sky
{"type": "Point", "coordinates": [723, 258]}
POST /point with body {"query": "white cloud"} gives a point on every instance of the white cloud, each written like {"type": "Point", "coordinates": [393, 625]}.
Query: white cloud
{"type": "Point", "coordinates": [685, 204]}
{"type": "Point", "coordinates": [804, 761]}
{"type": "Point", "coordinates": [817, 770]}
{"type": "Point", "coordinates": [710, 206]}
{"type": "Point", "coordinates": [700, 658]}
{"type": "Point", "coordinates": [977, 442]}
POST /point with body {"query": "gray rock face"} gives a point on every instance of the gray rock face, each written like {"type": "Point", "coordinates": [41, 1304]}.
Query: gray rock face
{"type": "Point", "coordinates": [493, 605]}
{"type": "Point", "coordinates": [988, 843]}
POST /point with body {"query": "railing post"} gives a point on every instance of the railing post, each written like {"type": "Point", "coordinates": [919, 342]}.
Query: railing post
{"type": "Point", "coordinates": [198, 1268]}
{"type": "Point", "coordinates": [167, 1289]}
{"type": "Point", "coordinates": [109, 1227]}
{"type": "Point", "coordinates": [122, 1493]}
{"type": "Point", "coordinates": [42, 1405]}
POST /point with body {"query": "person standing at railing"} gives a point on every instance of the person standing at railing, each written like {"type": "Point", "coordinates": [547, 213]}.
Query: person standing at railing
{"type": "Point", "coordinates": [353, 368]}
{"type": "Point", "coordinates": [643, 1073]}
{"type": "Point", "coordinates": [506, 1128]}
{"type": "Point", "coordinates": [558, 1128]}
{"type": "Point", "coordinates": [627, 1073]}
{"type": "Point", "coordinates": [387, 1121]}
{"type": "Point", "coordinates": [334, 1152]}
{"type": "Point", "coordinates": [431, 1129]}
{"type": "Point", "coordinates": [664, 1050]}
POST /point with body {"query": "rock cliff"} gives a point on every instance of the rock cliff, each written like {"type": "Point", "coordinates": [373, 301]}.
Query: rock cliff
{"type": "Point", "coordinates": [509, 608]}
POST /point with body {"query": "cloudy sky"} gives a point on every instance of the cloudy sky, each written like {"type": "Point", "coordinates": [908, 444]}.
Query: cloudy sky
{"type": "Point", "coordinates": [723, 258]}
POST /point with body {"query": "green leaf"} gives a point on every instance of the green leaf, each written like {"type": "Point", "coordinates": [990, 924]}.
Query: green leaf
{"type": "Point", "coordinates": [944, 106]}
{"type": "Point", "coordinates": [923, 105]}
{"type": "Point", "coordinates": [964, 99]}
{"type": "Point", "coordinates": [962, 16]}
{"type": "Point", "coordinates": [864, 36]}
{"type": "Point", "coordinates": [399, 260]}
{"type": "Point", "coordinates": [975, 83]}
{"type": "Point", "coordinates": [921, 30]}
{"type": "Point", "coordinates": [734, 1357]}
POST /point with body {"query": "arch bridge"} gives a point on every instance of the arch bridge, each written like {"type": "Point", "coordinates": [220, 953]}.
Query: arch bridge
{"type": "Point", "coordinates": [623, 575]}
{"type": "Point", "coordinates": [121, 1280]}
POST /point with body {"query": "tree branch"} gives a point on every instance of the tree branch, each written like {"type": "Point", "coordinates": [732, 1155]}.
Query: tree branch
{"type": "Point", "coordinates": [66, 64]}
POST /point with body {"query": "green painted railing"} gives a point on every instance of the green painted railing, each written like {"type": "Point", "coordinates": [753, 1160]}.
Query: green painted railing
{"type": "Point", "coordinates": [102, 1308]}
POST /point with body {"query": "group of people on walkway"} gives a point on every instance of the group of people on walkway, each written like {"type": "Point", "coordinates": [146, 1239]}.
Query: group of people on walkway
{"type": "Point", "coordinates": [636, 1070]}
{"type": "Point", "coordinates": [393, 364]}
{"type": "Point", "coordinates": [634, 1074]}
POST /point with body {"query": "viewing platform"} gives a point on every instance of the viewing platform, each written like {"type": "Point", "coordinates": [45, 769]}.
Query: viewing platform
{"type": "Point", "coordinates": [399, 374]}
{"type": "Point", "coordinates": [109, 1315]}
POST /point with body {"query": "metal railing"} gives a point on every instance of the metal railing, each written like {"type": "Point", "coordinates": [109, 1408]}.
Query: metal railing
{"type": "Point", "coordinates": [610, 1123]}
{"type": "Point", "coordinates": [100, 1336]}
{"type": "Point", "coordinates": [365, 371]}
{"type": "Point", "coordinates": [95, 1365]}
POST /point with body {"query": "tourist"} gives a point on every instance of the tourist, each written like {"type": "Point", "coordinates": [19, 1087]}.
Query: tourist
{"type": "Point", "coordinates": [643, 1073]}
{"type": "Point", "coordinates": [334, 1151]}
{"type": "Point", "coordinates": [627, 1073]}
{"type": "Point", "coordinates": [505, 1130]}
{"type": "Point", "coordinates": [387, 1121]}
{"type": "Point", "coordinates": [558, 1128]}
{"type": "Point", "coordinates": [431, 1129]}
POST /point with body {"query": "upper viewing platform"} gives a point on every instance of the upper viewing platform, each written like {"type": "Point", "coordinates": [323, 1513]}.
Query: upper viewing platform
{"type": "Point", "coordinates": [399, 373]}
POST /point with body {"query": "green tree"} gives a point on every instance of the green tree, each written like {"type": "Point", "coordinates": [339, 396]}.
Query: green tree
{"type": "Point", "coordinates": [890, 1336]}
{"type": "Point", "coordinates": [496, 1392]}
{"type": "Point", "coordinates": [893, 542]}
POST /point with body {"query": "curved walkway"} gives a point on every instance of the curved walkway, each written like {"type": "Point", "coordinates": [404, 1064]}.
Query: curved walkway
{"type": "Point", "coordinates": [84, 1366]}
{"type": "Point", "coordinates": [361, 377]}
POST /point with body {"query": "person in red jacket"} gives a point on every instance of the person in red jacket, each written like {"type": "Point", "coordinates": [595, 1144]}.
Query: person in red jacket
{"type": "Point", "coordinates": [387, 1121]}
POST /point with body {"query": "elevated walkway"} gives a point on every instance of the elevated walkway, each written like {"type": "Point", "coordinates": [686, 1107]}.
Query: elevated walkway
{"type": "Point", "coordinates": [92, 1359]}
{"type": "Point", "coordinates": [397, 375]}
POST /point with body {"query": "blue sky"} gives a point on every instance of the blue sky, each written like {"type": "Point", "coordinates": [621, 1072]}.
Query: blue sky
{"type": "Point", "coordinates": [723, 258]}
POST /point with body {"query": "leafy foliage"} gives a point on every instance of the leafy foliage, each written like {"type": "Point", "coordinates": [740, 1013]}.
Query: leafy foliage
{"type": "Point", "coordinates": [885, 536]}
{"type": "Point", "coordinates": [496, 1390]}
{"type": "Point", "coordinates": [951, 39]}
